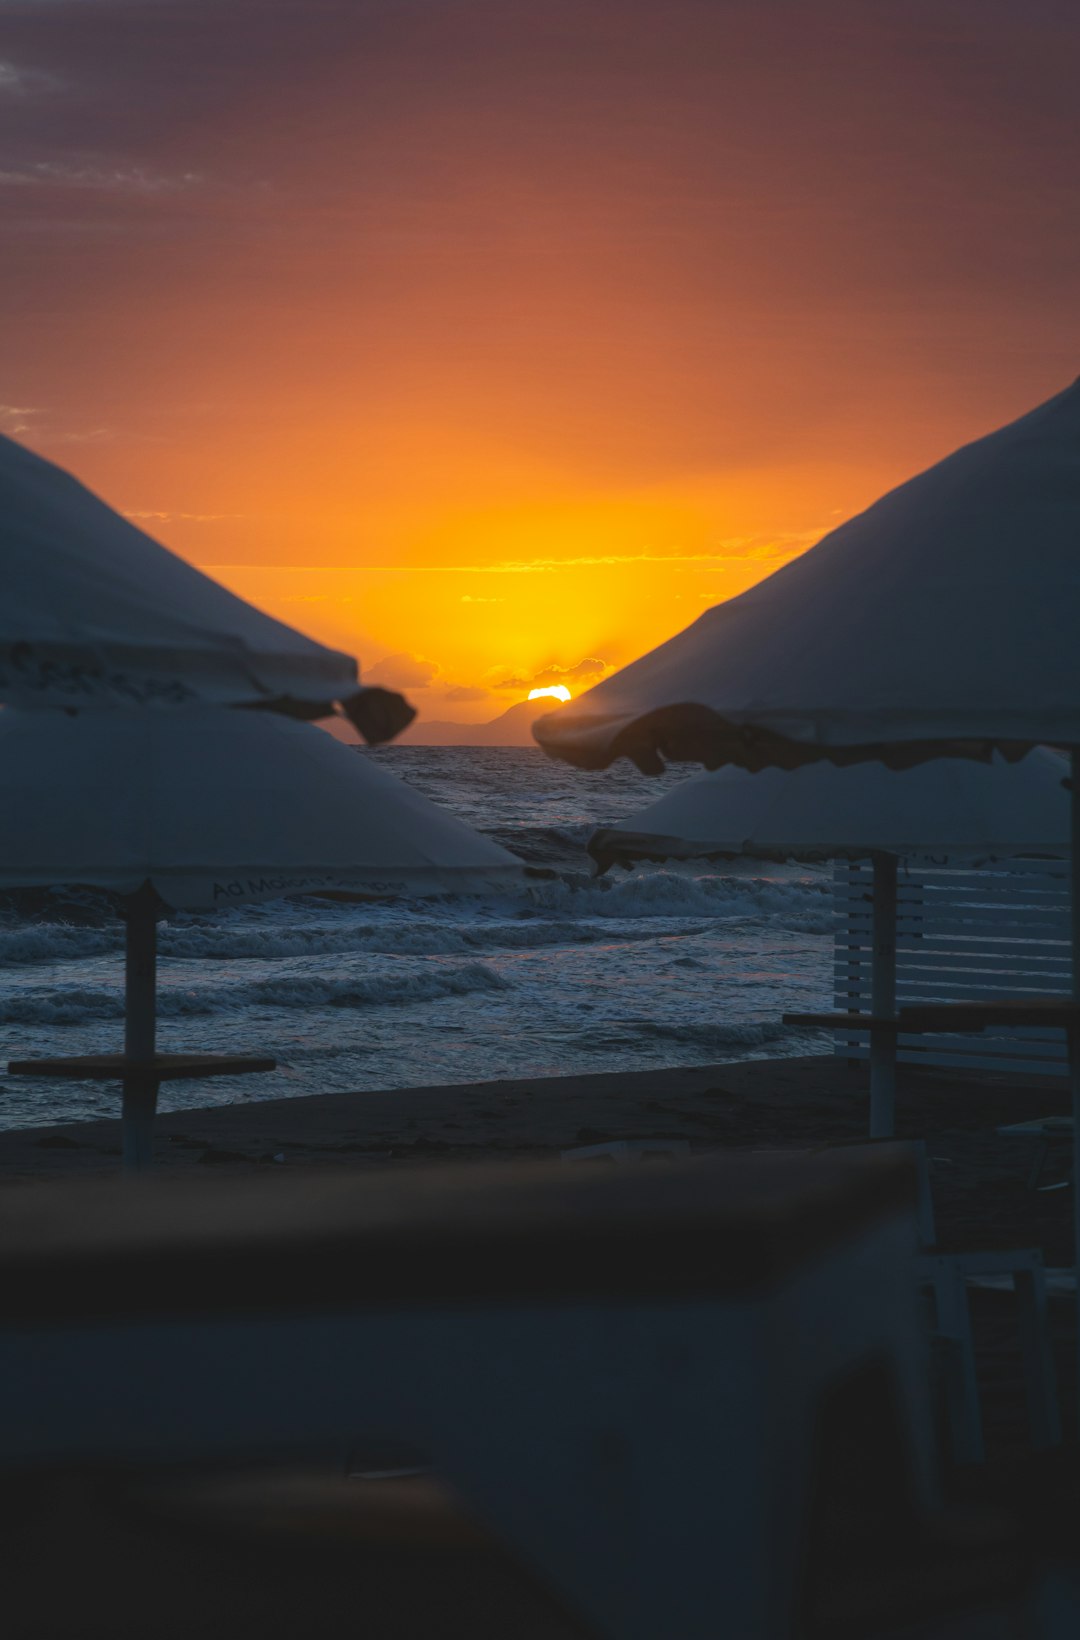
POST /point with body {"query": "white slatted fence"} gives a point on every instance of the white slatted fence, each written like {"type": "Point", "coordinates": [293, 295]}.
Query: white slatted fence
{"type": "Point", "coordinates": [962, 936]}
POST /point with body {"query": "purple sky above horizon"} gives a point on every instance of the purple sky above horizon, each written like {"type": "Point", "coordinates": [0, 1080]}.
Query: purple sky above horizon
{"type": "Point", "coordinates": [405, 293]}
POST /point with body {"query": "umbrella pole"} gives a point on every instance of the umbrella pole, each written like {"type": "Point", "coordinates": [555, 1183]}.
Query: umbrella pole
{"type": "Point", "coordinates": [1074, 1036]}
{"type": "Point", "coordinates": [883, 999]}
{"type": "Point", "coordinates": [140, 1090]}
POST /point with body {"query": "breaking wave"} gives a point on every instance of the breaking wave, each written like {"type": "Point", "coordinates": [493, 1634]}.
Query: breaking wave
{"type": "Point", "coordinates": [571, 910]}
{"type": "Point", "coordinates": [407, 938]}
{"type": "Point", "coordinates": [55, 942]}
{"type": "Point", "coordinates": [78, 1005]}
{"type": "Point", "coordinates": [804, 904]}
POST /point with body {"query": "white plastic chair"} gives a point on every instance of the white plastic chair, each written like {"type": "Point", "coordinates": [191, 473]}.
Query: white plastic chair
{"type": "Point", "coordinates": [949, 1276]}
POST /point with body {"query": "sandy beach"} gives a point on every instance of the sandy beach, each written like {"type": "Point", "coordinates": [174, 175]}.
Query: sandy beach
{"type": "Point", "coordinates": [980, 1179]}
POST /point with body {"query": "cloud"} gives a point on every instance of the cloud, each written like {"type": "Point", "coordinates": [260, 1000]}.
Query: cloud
{"type": "Point", "coordinates": [15, 419]}
{"type": "Point", "coordinates": [86, 435]}
{"type": "Point", "coordinates": [581, 675]}
{"type": "Point", "coordinates": [402, 672]}
{"type": "Point", "coordinates": [191, 518]}
{"type": "Point", "coordinates": [132, 179]}
{"type": "Point", "coordinates": [468, 598]}
{"type": "Point", "coordinates": [727, 551]}
{"type": "Point", "coordinates": [23, 82]}
{"type": "Point", "coordinates": [466, 691]}
{"type": "Point", "coordinates": [762, 548]}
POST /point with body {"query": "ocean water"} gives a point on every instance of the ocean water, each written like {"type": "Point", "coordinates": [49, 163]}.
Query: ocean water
{"type": "Point", "coordinates": [661, 966]}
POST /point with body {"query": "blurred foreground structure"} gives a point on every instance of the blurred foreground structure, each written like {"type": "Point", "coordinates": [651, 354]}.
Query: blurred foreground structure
{"type": "Point", "coordinates": [690, 1399]}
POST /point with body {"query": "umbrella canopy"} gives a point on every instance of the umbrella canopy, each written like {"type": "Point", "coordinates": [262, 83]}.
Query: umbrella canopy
{"type": "Point", "coordinates": [214, 807]}
{"type": "Point", "coordinates": [201, 807]}
{"type": "Point", "coordinates": [943, 619]}
{"type": "Point", "coordinates": [94, 612]}
{"type": "Point", "coordinates": [943, 811]}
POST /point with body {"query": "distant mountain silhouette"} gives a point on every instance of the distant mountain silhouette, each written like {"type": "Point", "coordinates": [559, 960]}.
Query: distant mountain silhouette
{"type": "Point", "coordinates": [510, 728]}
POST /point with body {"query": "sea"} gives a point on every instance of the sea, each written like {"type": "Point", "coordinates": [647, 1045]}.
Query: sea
{"type": "Point", "coordinates": [663, 965]}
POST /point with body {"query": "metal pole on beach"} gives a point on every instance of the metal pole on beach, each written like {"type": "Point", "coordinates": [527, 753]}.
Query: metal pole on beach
{"type": "Point", "coordinates": [883, 999]}
{"type": "Point", "coordinates": [1074, 1033]}
{"type": "Point", "coordinates": [140, 1028]}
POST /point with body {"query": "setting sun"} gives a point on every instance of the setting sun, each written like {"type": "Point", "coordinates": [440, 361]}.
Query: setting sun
{"type": "Point", "coordinates": [558, 691]}
{"type": "Point", "coordinates": [491, 399]}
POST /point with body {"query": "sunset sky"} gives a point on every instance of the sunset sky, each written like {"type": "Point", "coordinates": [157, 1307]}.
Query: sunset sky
{"type": "Point", "coordinates": [494, 341]}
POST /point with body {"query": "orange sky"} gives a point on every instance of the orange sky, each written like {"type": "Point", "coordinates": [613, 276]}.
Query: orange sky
{"type": "Point", "coordinates": [494, 341]}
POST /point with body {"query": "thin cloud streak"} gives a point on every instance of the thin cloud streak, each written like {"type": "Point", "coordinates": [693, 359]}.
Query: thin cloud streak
{"type": "Point", "coordinates": [181, 517]}
{"type": "Point", "coordinates": [60, 174]}
{"type": "Point", "coordinates": [15, 419]}
{"type": "Point", "coordinates": [528, 566]}
{"type": "Point", "coordinates": [16, 81]}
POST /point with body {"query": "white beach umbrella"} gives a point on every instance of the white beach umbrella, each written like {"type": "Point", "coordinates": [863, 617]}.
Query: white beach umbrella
{"type": "Point", "coordinates": [203, 807]}
{"type": "Point", "coordinates": [95, 613]}
{"type": "Point", "coordinates": [943, 812]}
{"type": "Point", "coordinates": [941, 621]}
{"type": "Point", "coordinates": [947, 811]}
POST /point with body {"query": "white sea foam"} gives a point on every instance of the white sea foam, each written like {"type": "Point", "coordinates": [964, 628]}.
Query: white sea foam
{"type": "Point", "coordinates": [804, 904]}
{"type": "Point", "coordinates": [77, 1005]}
{"type": "Point", "coordinates": [399, 937]}
{"type": "Point", "coordinates": [566, 911]}
{"type": "Point", "coordinates": [24, 943]}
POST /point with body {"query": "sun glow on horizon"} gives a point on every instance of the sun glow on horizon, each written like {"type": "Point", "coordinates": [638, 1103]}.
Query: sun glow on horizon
{"type": "Point", "coordinates": [558, 691]}
{"type": "Point", "coordinates": [495, 345]}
